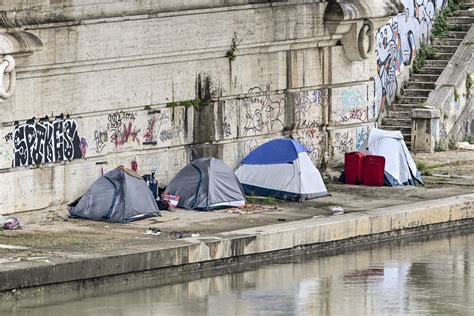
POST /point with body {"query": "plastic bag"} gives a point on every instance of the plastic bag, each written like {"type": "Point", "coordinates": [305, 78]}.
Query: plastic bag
{"type": "Point", "coordinates": [12, 223]}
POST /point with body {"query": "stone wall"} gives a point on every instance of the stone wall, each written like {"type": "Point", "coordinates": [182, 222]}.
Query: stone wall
{"type": "Point", "coordinates": [161, 84]}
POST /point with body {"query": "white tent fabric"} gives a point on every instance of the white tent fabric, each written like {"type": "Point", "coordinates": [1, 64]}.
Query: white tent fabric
{"type": "Point", "coordinates": [400, 168]}
{"type": "Point", "coordinates": [297, 180]}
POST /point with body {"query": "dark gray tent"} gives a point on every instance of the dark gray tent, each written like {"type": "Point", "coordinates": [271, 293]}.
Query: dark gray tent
{"type": "Point", "coordinates": [119, 196]}
{"type": "Point", "coordinates": [206, 184]}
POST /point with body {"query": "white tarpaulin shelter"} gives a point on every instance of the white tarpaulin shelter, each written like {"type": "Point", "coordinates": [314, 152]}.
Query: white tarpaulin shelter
{"type": "Point", "coordinates": [400, 169]}
{"type": "Point", "coordinates": [281, 168]}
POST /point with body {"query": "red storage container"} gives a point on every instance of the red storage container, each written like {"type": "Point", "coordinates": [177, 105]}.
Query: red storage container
{"type": "Point", "coordinates": [373, 170]}
{"type": "Point", "coordinates": [353, 163]}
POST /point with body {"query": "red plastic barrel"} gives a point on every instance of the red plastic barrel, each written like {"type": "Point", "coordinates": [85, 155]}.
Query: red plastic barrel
{"type": "Point", "coordinates": [353, 163]}
{"type": "Point", "coordinates": [373, 170]}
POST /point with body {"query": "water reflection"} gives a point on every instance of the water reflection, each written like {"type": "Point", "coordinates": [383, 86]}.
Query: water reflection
{"type": "Point", "coordinates": [419, 277]}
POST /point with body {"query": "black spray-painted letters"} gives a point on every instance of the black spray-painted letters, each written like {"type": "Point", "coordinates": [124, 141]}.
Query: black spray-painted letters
{"type": "Point", "coordinates": [43, 142]}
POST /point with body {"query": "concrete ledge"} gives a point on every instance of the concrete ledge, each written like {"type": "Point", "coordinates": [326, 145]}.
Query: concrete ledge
{"type": "Point", "coordinates": [251, 244]}
{"type": "Point", "coordinates": [425, 113]}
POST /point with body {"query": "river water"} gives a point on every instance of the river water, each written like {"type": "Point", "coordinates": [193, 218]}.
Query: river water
{"type": "Point", "coordinates": [417, 277]}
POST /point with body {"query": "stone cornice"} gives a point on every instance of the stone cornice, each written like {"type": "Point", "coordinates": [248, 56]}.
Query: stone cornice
{"type": "Point", "coordinates": [21, 15]}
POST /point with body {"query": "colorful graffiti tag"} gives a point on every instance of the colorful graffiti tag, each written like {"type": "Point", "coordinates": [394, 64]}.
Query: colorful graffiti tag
{"type": "Point", "coordinates": [397, 43]}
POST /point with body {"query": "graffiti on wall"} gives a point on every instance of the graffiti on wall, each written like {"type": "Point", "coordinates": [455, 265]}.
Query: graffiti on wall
{"type": "Point", "coordinates": [149, 137]}
{"type": "Point", "coordinates": [397, 43]}
{"type": "Point", "coordinates": [361, 135]}
{"type": "Point", "coordinates": [101, 137]}
{"type": "Point", "coordinates": [356, 114]}
{"type": "Point", "coordinates": [262, 113]}
{"type": "Point", "coordinates": [5, 150]}
{"type": "Point", "coordinates": [313, 141]}
{"type": "Point", "coordinates": [227, 128]}
{"type": "Point", "coordinates": [353, 106]}
{"type": "Point", "coordinates": [247, 147]}
{"type": "Point", "coordinates": [160, 128]}
{"type": "Point", "coordinates": [343, 142]}
{"type": "Point", "coordinates": [43, 142]}
{"type": "Point", "coordinates": [122, 129]}
{"type": "Point", "coordinates": [306, 105]}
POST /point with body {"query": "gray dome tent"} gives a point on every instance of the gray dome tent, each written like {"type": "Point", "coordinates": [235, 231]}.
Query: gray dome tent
{"type": "Point", "coordinates": [206, 184]}
{"type": "Point", "coordinates": [119, 196]}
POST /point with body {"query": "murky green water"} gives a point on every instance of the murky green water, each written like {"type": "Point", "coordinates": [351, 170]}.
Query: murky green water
{"type": "Point", "coordinates": [404, 277]}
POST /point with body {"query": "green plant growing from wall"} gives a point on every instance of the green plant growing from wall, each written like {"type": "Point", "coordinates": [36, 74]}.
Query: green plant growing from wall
{"type": "Point", "coordinates": [445, 116]}
{"type": "Point", "coordinates": [230, 54]}
{"type": "Point", "coordinates": [456, 28]}
{"type": "Point", "coordinates": [420, 104]}
{"type": "Point", "coordinates": [457, 97]}
{"type": "Point", "coordinates": [194, 103]}
{"type": "Point", "coordinates": [439, 146]}
{"type": "Point", "coordinates": [468, 85]}
{"type": "Point", "coordinates": [425, 52]}
{"type": "Point", "coordinates": [469, 138]}
{"type": "Point", "coordinates": [452, 145]}
{"type": "Point", "coordinates": [441, 27]}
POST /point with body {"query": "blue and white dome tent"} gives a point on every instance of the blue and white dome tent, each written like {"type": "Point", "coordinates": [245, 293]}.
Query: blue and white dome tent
{"type": "Point", "coordinates": [281, 168]}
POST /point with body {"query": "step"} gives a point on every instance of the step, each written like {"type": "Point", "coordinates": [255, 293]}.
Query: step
{"type": "Point", "coordinates": [424, 77]}
{"type": "Point", "coordinates": [447, 41]}
{"type": "Point", "coordinates": [399, 114]}
{"type": "Point", "coordinates": [459, 27]}
{"type": "Point", "coordinates": [416, 92]}
{"type": "Point", "coordinates": [457, 34]}
{"type": "Point", "coordinates": [460, 20]}
{"type": "Point", "coordinates": [412, 100]}
{"type": "Point", "coordinates": [420, 85]}
{"type": "Point", "coordinates": [466, 13]}
{"type": "Point", "coordinates": [401, 107]}
{"type": "Point", "coordinates": [431, 71]}
{"type": "Point", "coordinates": [436, 63]}
{"type": "Point", "coordinates": [396, 121]}
{"type": "Point", "coordinates": [443, 56]}
{"type": "Point", "coordinates": [403, 129]}
{"type": "Point", "coordinates": [446, 48]}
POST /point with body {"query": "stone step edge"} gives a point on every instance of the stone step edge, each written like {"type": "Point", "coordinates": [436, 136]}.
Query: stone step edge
{"type": "Point", "coordinates": [245, 242]}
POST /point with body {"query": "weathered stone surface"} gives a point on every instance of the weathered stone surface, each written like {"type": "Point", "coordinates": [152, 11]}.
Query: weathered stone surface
{"type": "Point", "coordinates": [160, 83]}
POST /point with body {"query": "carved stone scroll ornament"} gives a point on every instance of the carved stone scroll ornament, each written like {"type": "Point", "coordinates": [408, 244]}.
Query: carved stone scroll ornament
{"type": "Point", "coordinates": [14, 45]}
{"type": "Point", "coordinates": [355, 22]}
{"type": "Point", "coordinates": [7, 68]}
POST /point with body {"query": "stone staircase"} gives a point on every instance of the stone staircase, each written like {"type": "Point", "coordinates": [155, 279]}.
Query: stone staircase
{"type": "Point", "coordinates": [419, 86]}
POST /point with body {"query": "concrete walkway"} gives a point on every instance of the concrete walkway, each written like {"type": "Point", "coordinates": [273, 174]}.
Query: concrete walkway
{"type": "Point", "coordinates": [78, 251]}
